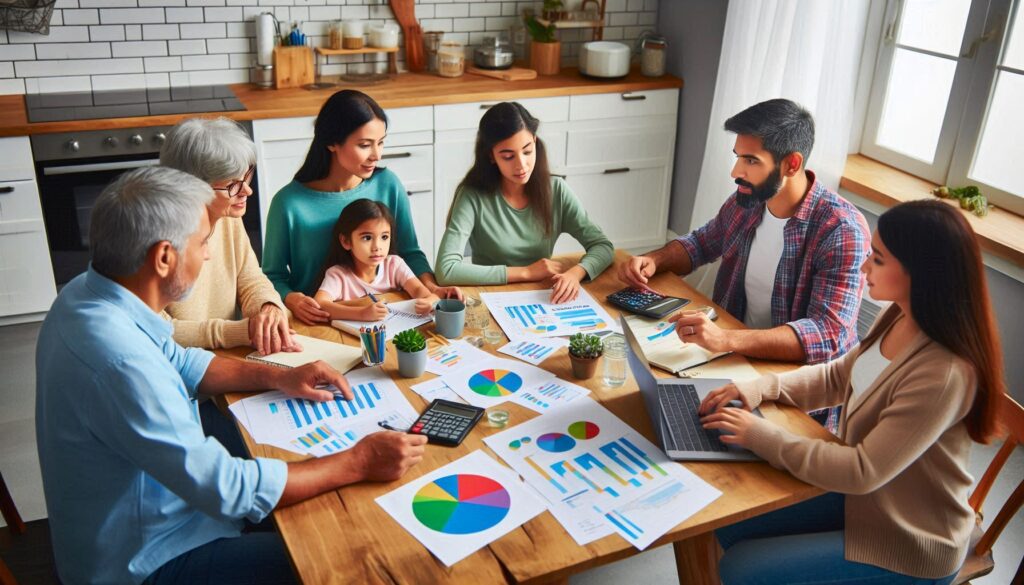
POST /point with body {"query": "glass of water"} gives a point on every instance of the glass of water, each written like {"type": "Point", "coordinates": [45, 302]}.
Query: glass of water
{"type": "Point", "coordinates": [614, 361]}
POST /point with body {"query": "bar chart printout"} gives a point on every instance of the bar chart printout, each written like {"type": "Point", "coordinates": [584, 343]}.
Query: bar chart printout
{"type": "Point", "coordinates": [600, 475]}
{"type": "Point", "coordinates": [322, 428]}
{"type": "Point", "coordinates": [550, 394]}
{"type": "Point", "coordinates": [534, 350]}
{"type": "Point", "coordinates": [530, 314]}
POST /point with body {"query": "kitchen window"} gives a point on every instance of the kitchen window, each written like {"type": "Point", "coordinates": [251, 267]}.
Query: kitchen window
{"type": "Point", "coordinates": [946, 94]}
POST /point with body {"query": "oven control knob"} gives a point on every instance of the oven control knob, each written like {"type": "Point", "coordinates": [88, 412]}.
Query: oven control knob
{"type": "Point", "coordinates": [110, 142]}
{"type": "Point", "coordinates": [159, 138]}
{"type": "Point", "coordinates": [72, 146]}
{"type": "Point", "coordinates": [135, 139]}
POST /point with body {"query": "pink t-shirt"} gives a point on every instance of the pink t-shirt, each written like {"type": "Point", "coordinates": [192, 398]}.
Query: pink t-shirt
{"type": "Point", "coordinates": [342, 285]}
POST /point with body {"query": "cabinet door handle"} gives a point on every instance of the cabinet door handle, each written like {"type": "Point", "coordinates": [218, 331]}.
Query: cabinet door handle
{"type": "Point", "coordinates": [618, 170]}
{"type": "Point", "coordinates": [633, 97]}
{"type": "Point", "coordinates": [411, 193]}
{"type": "Point", "coordinates": [6, 189]}
{"type": "Point", "coordinates": [396, 155]}
{"type": "Point", "coordinates": [487, 106]}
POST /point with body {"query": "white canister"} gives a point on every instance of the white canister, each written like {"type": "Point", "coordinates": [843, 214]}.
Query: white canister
{"type": "Point", "coordinates": [384, 36]}
{"type": "Point", "coordinates": [353, 30]}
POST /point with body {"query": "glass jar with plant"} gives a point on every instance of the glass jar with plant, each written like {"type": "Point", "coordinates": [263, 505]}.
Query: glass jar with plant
{"type": "Point", "coordinates": [545, 49]}
{"type": "Point", "coordinates": [584, 351]}
{"type": "Point", "coordinates": [412, 353]}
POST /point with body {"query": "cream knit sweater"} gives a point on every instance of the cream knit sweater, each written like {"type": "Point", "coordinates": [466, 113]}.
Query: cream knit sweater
{"type": "Point", "coordinates": [229, 280]}
{"type": "Point", "coordinates": [903, 467]}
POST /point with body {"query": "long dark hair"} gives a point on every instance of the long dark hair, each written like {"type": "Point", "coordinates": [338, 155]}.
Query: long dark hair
{"type": "Point", "coordinates": [949, 296]}
{"type": "Point", "coordinates": [500, 123]}
{"type": "Point", "coordinates": [340, 116]}
{"type": "Point", "coordinates": [349, 220]}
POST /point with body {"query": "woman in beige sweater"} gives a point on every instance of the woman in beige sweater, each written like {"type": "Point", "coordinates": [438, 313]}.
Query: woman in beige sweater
{"type": "Point", "coordinates": [221, 153]}
{"type": "Point", "coordinates": [922, 384]}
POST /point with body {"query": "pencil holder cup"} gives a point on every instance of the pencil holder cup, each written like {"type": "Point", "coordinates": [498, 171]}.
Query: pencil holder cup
{"type": "Point", "coordinates": [450, 317]}
{"type": "Point", "coordinates": [375, 358]}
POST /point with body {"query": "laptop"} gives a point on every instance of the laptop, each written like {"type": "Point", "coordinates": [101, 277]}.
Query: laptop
{"type": "Point", "coordinates": [672, 405]}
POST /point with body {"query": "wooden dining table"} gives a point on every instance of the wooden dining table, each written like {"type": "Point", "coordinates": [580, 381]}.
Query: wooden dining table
{"type": "Point", "coordinates": [343, 536]}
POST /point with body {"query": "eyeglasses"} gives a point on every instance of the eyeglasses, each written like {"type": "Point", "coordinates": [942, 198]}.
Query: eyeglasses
{"type": "Point", "coordinates": [235, 187]}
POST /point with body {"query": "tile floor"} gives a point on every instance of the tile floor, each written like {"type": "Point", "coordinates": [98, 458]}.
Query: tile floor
{"type": "Point", "coordinates": [20, 467]}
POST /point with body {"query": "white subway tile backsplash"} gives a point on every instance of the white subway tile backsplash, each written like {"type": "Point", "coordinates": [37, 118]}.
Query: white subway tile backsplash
{"type": "Point", "coordinates": [12, 86]}
{"type": "Point", "coordinates": [88, 16]}
{"type": "Point", "coordinates": [131, 15]}
{"type": "Point", "coordinates": [228, 45]}
{"type": "Point", "coordinates": [17, 52]}
{"type": "Point", "coordinates": [110, 82]}
{"type": "Point", "coordinates": [241, 29]}
{"type": "Point", "coordinates": [161, 3]}
{"type": "Point", "coordinates": [501, 23]}
{"type": "Point", "coordinates": [438, 24]}
{"type": "Point", "coordinates": [62, 4]}
{"type": "Point", "coordinates": [324, 12]}
{"type": "Point", "coordinates": [184, 14]}
{"type": "Point", "coordinates": [451, 10]}
{"type": "Point", "coordinates": [226, 14]}
{"type": "Point", "coordinates": [467, 24]}
{"type": "Point", "coordinates": [140, 49]}
{"type": "Point", "coordinates": [157, 80]}
{"type": "Point", "coordinates": [107, 3]}
{"type": "Point", "coordinates": [106, 33]}
{"type": "Point", "coordinates": [204, 62]}
{"type": "Point", "coordinates": [61, 84]}
{"type": "Point", "coordinates": [6, 70]}
{"type": "Point", "coordinates": [298, 14]}
{"type": "Point", "coordinates": [635, 5]}
{"type": "Point", "coordinates": [485, 9]}
{"type": "Point", "coordinates": [133, 32]}
{"type": "Point", "coordinates": [216, 77]}
{"type": "Point", "coordinates": [207, 3]}
{"type": "Point", "coordinates": [616, 6]}
{"type": "Point", "coordinates": [191, 47]}
{"type": "Point", "coordinates": [162, 64]}
{"type": "Point", "coordinates": [624, 19]}
{"type": "Point", "coordinates": [242, 60]}
{"type": "Point", "coordinates": [209, 30]}
{"type": "Point", "coordinates": [76, 67]}
{"type": "Point", "coordinates": [424, 11]}
{"type": "Point", "coordinates": [58, 34]}
{"type": "Point", "coordinates": [178, 79]}
{"type": "Point", "coordinates": [156, 32]}
{"type": "Point", "coordinates": [647, 18]}
{"type": "Point", "coordinates": [73, 51]}
{"type": "Point", "coordinates": [355, 12]}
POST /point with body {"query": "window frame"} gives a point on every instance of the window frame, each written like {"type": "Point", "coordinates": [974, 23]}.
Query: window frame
{"type": "Point", "coordinates": [970, 96]}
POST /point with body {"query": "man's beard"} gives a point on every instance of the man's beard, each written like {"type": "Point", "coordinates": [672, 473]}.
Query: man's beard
{"type": "Point", "coordinates": [176, 288]}
{"type": "Point", "coordinates": [759, 193]}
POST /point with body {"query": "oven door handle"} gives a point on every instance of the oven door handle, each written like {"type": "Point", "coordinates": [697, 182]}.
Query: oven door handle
{"type": "Point", "coordinates": [94, 167]}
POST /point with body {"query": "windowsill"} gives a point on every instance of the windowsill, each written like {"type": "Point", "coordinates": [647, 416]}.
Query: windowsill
{"type": "Point", "coordinates": [1001, 233]}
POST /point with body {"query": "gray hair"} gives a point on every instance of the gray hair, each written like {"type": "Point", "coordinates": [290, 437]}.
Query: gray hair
{"type": "Point", "coordinates": [140, 208]}
{"type": "Point", "coordinates": [213, 150]}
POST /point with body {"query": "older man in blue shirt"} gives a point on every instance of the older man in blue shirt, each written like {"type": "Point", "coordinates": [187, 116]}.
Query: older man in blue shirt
{"type": "Point", "coordinates": [134, 489]}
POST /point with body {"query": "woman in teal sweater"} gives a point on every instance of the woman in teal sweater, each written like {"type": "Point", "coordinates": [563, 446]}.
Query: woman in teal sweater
{"type": "Point", "coordinates": [511, 211]}
{"type": "Point", "coordinates": [341, 166]}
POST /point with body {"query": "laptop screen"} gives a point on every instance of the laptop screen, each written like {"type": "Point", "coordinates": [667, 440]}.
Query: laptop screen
{"type": "Point", "coordinates": [645, 380]}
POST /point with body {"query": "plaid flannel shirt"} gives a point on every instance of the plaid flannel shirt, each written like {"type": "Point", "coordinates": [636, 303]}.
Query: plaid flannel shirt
{"type": "Point", "coordinates": [818, 283]}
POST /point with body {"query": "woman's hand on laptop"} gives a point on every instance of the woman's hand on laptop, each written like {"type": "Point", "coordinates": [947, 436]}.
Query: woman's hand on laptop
{"type": "Point", "coordinates": [719, 398]}
{"type": "Point", "coordinates": [734, 423]}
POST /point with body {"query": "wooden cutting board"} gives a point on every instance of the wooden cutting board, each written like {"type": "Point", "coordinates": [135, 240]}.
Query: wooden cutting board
{"type": "Point", "coordinates": [511, 74]}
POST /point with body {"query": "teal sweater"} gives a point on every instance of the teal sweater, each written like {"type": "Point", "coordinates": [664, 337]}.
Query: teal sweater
{"type": "Point", "coordinates": [300, 222]}
{"type": "Point", "coordinates": [502, 236]}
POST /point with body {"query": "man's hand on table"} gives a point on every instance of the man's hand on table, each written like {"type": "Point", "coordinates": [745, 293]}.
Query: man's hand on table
{"type": "Point", "coordinates": [303, 381]}
{"type": "Point", "coordinates": [269, 331]}
{"type": "Point", "coordinates": [637, 271]}
{"type": "Point", "coordinates": [696, 327]}
{"type": "Point", "coordinates": [387, 455]}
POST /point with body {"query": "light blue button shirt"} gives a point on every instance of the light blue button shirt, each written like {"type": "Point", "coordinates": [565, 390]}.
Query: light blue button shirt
{"type": "Point", "coordinates": [131, 481]}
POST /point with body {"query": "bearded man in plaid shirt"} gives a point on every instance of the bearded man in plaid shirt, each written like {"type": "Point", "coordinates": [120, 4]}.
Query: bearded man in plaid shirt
{"type": "Point", "coordinates": [791, 249]}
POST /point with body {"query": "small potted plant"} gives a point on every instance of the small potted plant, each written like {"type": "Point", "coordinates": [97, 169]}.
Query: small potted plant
{"type": "Point", "coordinates": [412, 353]}
{"type": "Point", "coordinates": [584, 351]}
{"type": "Point", "coordinates": [552, 10]}
{"type": "Point", "coordinates": [545, 49]}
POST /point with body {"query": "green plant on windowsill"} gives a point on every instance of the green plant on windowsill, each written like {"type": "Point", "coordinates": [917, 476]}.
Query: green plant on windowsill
{"type": "Point", "coordinates": [410, 341]}
{"type": "Point", "coordinates": [970, 198]}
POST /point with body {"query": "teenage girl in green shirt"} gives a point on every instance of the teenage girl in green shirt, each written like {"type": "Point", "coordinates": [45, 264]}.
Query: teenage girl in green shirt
{"type": "Point", "coordinates": [510, 210]}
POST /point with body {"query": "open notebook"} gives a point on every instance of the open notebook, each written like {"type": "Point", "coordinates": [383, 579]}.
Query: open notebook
{"type": "Point", "coordinates": [663, 348]}
{"type": "Point", "coordinates": [401, 316]}
{"type": "Point", "coordinates": [340, 357]}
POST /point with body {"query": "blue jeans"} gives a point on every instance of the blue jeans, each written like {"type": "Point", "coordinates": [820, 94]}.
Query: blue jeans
{"type": "Point", "coordinates": [258, 558]}
{"type": "Point", "coordinates": [801, 544]}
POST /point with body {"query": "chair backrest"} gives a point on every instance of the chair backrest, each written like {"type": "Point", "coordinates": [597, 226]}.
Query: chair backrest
{"type": "Point", "coordinates": [1011, 417]}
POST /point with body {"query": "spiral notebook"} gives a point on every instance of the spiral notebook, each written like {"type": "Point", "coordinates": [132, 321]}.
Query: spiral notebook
{"type": "Point", "coordinates": [401, 316]}
{"type": "Point", "coordinates": [664, 349]}
{"type": "Point", "coordinates": [340, 357]}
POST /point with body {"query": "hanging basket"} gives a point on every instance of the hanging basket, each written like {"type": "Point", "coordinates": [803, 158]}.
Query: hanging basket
{"type": "Point", "coordinates": [26, 15]}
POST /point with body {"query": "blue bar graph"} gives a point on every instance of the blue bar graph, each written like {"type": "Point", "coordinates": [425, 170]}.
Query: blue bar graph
{"type": "Point", "coordinates": [524, 313]}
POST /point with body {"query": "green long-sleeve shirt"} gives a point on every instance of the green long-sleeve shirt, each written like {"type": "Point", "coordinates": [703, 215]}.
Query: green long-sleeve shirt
{"type": "Point", "coordinates": [502, 236]}
{"type": "Point", "coordinates": [300, 222]}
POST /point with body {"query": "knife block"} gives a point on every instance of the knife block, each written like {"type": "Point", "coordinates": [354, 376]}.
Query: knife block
{"type": "Point", "coordinates": [293, 67]}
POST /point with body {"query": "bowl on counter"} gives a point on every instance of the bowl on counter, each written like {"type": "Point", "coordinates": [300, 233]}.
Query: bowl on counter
{"type": "Point", "coordinates": [604, 59]}
{"type": "Point", "coordinates": [493, 53]}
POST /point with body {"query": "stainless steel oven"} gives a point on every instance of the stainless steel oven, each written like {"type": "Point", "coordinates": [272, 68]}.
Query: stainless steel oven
{"type": "Point", "coordinates": [73, 168]}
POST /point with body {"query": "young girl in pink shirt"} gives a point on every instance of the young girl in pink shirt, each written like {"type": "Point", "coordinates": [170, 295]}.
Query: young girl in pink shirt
{"type": "Point", "coordinates": [359, 265]}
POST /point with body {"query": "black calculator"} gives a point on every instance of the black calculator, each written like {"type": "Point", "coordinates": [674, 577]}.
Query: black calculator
{"type": "Point", "coordinates": [646, 303]}
{"type": "Point", "coordinates": [445, 422]}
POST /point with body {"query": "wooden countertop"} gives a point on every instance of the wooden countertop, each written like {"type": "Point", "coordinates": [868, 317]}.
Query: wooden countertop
{"type": "Point", "coordinates": [406, 90]}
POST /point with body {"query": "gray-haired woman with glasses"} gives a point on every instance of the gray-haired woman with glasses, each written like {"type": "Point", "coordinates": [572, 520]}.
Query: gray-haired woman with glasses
{"type": "Point", "coordinates": [219, 152]}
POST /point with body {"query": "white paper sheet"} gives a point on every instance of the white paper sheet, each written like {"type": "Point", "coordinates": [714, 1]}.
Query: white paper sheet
{"type": "Point", "coordinates": [530, 314]}
{"type": "Point", "coordinates": [492, 381]}
{"type": "Point", "coordinates": [549, 394]}
{"type": "Point", "coordinates": [401, 316]}
{"type": "Point", "coordinates": [436, 388]}
{"type": "Point", "coordinates": [443, 358]}
{"type": "Point", "coordinates": [585, 459]}
{"type": "Point", "coordinates": [462, 507]}
{"type": "Point", "coordinates": [534, 350]}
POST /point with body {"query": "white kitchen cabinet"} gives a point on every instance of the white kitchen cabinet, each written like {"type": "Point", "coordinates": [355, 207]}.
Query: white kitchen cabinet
{"type": "Point", "coordinates": [26, 274]}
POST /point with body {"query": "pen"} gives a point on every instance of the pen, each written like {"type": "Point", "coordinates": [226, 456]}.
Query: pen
{"type": "Point", "coordinates": [374, 299]}
{"type": "Point", "coordinates": [384, 425]}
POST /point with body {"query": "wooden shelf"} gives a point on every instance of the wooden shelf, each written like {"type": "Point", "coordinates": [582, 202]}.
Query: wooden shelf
{"type": "Point", "coordinates": [572, 23]}
{"type": "Point", "coordinates": [363, 51]}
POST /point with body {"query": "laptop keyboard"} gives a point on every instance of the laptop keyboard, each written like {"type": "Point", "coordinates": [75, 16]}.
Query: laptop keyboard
{"type": "Point", "coordinates": [679, 406]}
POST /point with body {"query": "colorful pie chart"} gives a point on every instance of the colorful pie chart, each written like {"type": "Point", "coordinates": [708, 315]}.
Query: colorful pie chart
{"type": "Point", "coordinates": [584, 429]}
{"type": "Point", "coordinates": [495, 382]}
{"type": "Point", "coordinates": [461, 504]}
{"type": "Point", "coordinates": [555, 442]}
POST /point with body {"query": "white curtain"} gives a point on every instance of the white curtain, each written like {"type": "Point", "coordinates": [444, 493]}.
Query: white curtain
{"type": "Point", "coordinates": [805, 50]}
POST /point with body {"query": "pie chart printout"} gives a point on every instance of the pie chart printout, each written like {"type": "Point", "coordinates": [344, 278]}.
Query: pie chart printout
{"type": "Point", "coordinates": [584, 430]}
{"type": "Point", "coordinates": [555, 442]}
{"type": "Point", "coordinates": [495, 383]}
{"type": "Point", "coordinates": [461, 504]}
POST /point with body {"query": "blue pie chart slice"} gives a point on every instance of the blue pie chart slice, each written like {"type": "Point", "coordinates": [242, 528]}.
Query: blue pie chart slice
{"type": "Point", "coordinates": [556, 442]}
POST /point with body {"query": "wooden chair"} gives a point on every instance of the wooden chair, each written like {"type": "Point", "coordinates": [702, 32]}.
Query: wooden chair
{"type": "Point", "coordinates": [979, 558]}
{"type": "Point", "coordinates": [28, 545]}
